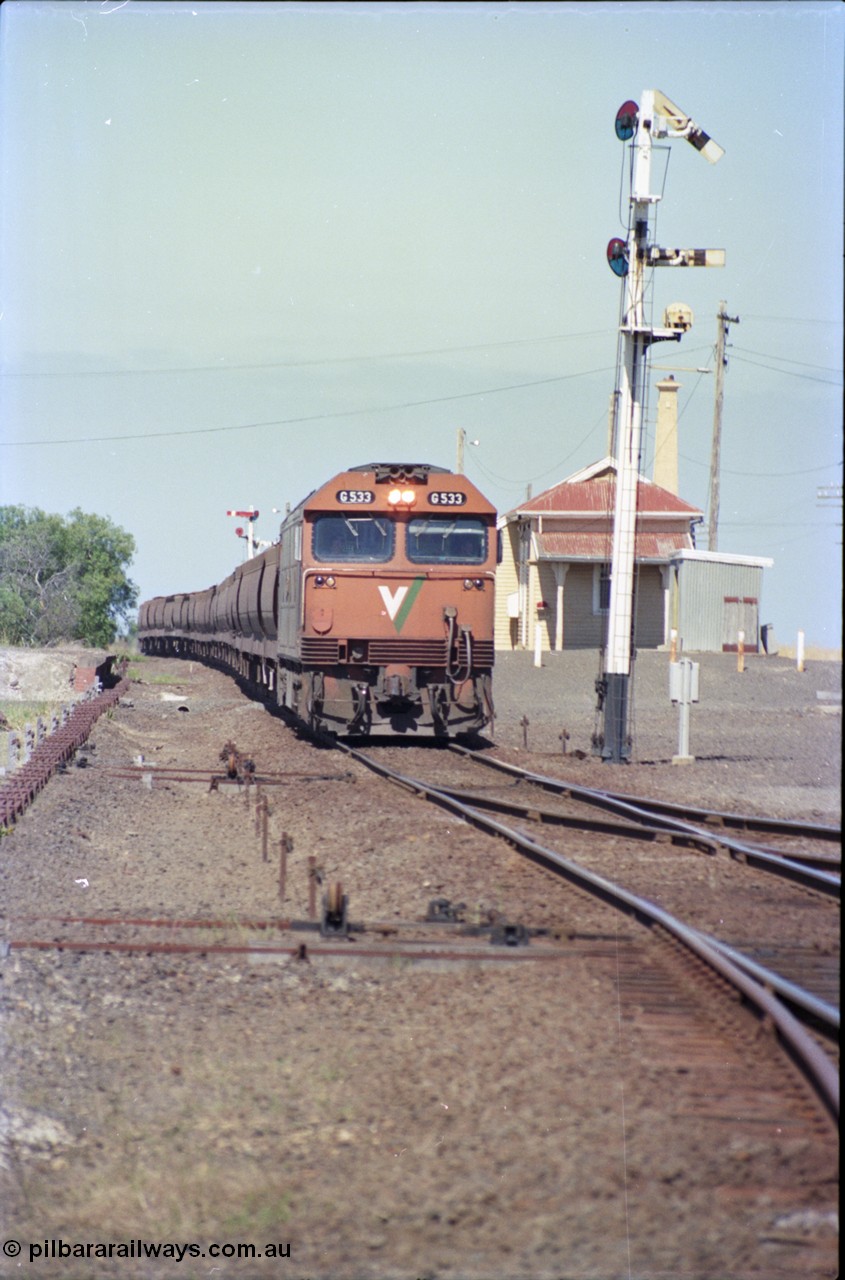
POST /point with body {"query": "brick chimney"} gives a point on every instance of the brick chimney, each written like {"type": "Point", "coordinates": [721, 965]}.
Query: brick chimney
{"type": "Point", "coordinates": [666, 435]}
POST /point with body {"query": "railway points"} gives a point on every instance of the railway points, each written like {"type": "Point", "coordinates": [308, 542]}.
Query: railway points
{"type": "Point", "coordinates": [356, 1038]}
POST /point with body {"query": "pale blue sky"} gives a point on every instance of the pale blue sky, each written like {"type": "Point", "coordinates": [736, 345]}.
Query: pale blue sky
{"type": "Point", "coordinates": [244, 246]}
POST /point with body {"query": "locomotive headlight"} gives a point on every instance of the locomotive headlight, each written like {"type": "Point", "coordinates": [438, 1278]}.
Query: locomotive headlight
{"type": "Point", "coordinates": [330, 580]}
{"type": "Point", "coordinates": [467, 584]}
{"type": "Point", "coordinates": [470, 583]}
{"type": "Point", "coordinates": [402, 497]}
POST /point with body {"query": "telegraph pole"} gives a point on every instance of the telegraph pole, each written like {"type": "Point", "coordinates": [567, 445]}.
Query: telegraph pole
{"type": "Point", "coordinates": [723, 320]}
{"type": "Point", "coordinates": [459, 452]}
{"type": "Point", "coordinates": [656, 117]}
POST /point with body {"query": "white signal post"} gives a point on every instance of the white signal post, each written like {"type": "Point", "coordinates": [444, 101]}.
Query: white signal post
{"type": "Point", "coordinates": [251, 516]}
{"type": "Point", "coordinates": [656, 117]}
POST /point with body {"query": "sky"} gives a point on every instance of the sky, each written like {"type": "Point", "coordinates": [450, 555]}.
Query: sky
{"type": "Point", "coordinates": [243, 247]}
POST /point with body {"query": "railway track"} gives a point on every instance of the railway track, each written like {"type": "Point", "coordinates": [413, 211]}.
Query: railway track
{"type": "Point", "coordinates": [599, 979]}
{"type": "Point", "coordinates": [753, 984]}
{"type": "Point", "coordinates": [776, 997]}
{"type": "Point", "coordinates": [703, 828]}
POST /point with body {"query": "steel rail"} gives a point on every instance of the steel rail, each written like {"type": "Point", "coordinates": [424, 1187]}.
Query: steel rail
{"type": "Point", "coordinates": [683, 834]}
{"type": "Point", "coordinates": [172, 774]}
{"type": "Point", "coordinates": [715, 817]}
{"type": "Point", "coordinates": [745, 821]}
{"type": "Point", "coordinates": [625, 830]}
{"type": "Point", "coordinates": [422, 949]}
{"type": "Point", "coordinates": [818, 1068]}
{"type": "Point", "coordinates": [706, 841]}
{"type": "Point", "coordinates": [779, 864]}
{"type": "Point", "coordinates": [820, 1010]}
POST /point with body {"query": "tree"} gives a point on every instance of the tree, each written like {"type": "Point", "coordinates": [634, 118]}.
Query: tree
{"type": "Point", "coordinates": [62, 578]}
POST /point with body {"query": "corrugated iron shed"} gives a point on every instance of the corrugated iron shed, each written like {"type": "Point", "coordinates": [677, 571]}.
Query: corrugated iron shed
{"type": "Point", "coordinates": [715, 596]}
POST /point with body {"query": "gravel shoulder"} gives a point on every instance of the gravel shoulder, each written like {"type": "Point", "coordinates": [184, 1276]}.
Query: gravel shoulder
{"type": "Point", "coordinates": [766, 740]}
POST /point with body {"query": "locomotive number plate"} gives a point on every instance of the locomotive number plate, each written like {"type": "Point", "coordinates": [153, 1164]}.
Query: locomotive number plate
{"type": "Point", "coordinates": [449, 498]}
{"type": "Point", "coordinates": [355, 497]}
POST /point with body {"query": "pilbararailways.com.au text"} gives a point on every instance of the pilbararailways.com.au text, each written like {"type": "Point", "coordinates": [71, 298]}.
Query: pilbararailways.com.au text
{"type": "Point", "coordinates": [47, 1249]}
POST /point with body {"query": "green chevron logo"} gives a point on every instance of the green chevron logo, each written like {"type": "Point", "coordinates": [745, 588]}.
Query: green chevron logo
{"type": "Point", "coordinates": [400, 602]}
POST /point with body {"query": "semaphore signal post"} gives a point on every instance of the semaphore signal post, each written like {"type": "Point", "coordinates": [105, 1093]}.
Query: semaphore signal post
{"type": "Point", "coordinates": [655, 118]}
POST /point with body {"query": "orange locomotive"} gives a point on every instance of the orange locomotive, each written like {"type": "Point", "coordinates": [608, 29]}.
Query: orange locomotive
{"type": "Point", "coordinates": [372, 614]}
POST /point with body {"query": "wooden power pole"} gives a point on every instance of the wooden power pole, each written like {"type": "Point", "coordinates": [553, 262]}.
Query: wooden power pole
{"type": "Point", "coordinates": [723, 320]}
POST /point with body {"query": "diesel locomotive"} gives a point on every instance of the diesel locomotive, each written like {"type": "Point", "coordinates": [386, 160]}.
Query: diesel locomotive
{"type": "Point", "coordinates": [372, 614]}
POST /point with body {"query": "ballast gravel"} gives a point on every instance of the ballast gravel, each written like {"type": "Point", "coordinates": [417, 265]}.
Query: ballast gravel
{"type": "Point", "coordinates": [393, 1119]}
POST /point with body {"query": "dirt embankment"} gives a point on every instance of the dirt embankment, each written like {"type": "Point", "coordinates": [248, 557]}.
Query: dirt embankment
{"type": "Point", "coordinates": [43, 675]}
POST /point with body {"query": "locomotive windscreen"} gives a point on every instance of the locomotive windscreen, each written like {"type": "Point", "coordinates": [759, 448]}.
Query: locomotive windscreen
{"type": "Point", "coordinates": [353, 538]}
{"type": "Point", "coordinates": [447, 540]}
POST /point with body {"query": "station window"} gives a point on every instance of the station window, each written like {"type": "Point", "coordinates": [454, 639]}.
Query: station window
{"type": "Point", "coordinates": [342, 539]}
{"type": "Point", "coordinates": [447, 540]}
{"type": "Point", "coordinates": [601, 588]}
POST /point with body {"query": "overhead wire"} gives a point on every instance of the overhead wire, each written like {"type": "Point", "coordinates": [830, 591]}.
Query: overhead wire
{"type": "Point", "coordinates": [767, 355]}
{"type": "Point", "coordinates": [303, 418]}
{"type": "Point", "coordinates": [789, 373]}
{"type": "Point", "coordinates": [301, 364]}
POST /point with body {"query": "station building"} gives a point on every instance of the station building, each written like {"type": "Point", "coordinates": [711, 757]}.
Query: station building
{"type": "Point", "coordinates": [556, 554]}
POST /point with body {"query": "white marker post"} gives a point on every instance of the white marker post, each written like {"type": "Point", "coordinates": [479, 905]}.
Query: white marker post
{"type": "Point", "coordinates": [683, 689]}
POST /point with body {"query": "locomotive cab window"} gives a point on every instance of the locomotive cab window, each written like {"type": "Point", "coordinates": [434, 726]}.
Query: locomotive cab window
{"type": "Point", "coordinates": [447, 540]}
{"type": "Point", "coordinates": [342, 539]}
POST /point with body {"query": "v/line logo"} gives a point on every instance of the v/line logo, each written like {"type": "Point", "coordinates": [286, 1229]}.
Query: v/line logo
{"type": "Point", "coordinates": [399, 603]}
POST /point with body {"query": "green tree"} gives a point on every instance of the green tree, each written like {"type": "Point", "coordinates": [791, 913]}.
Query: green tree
{"type": "Point", "coordinates": [62, 578]}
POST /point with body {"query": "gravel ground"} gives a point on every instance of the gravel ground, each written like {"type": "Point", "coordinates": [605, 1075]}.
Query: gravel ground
{"type": "Point", "coordinates": [766, 740]}
{"type": "Point", "coordinates": [391, 1121]}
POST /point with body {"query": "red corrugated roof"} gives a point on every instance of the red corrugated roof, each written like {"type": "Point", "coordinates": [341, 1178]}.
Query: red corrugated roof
{"type": "Point", "coordinates": [599, 496]}
{"type": "Point", "coordinates": [581, 545]}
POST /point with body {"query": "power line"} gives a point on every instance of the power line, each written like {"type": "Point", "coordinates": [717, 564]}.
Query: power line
{"type": "Point", "coordinates": [777, 524]}
{"type": "Point", "coordinates": [790, 373]}
{"type": "Point", "coordinates": [303, 364]}
{"type": "Point", "coordinates": [509, 481]}
{"type": "Point", "coordinates": [795, 320]}
{"type": "Point", "coordinates": [764, 475]}
{"type": "Point", "coordinates": [767, 355]}
{"type": "Point", "coordinates": [314, 417]}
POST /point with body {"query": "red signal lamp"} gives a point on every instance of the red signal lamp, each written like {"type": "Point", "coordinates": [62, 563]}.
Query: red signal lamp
{"type": "Point", "coordinates": [626, 121]}
{"type": "Point", "coordinates": [617, 256]}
